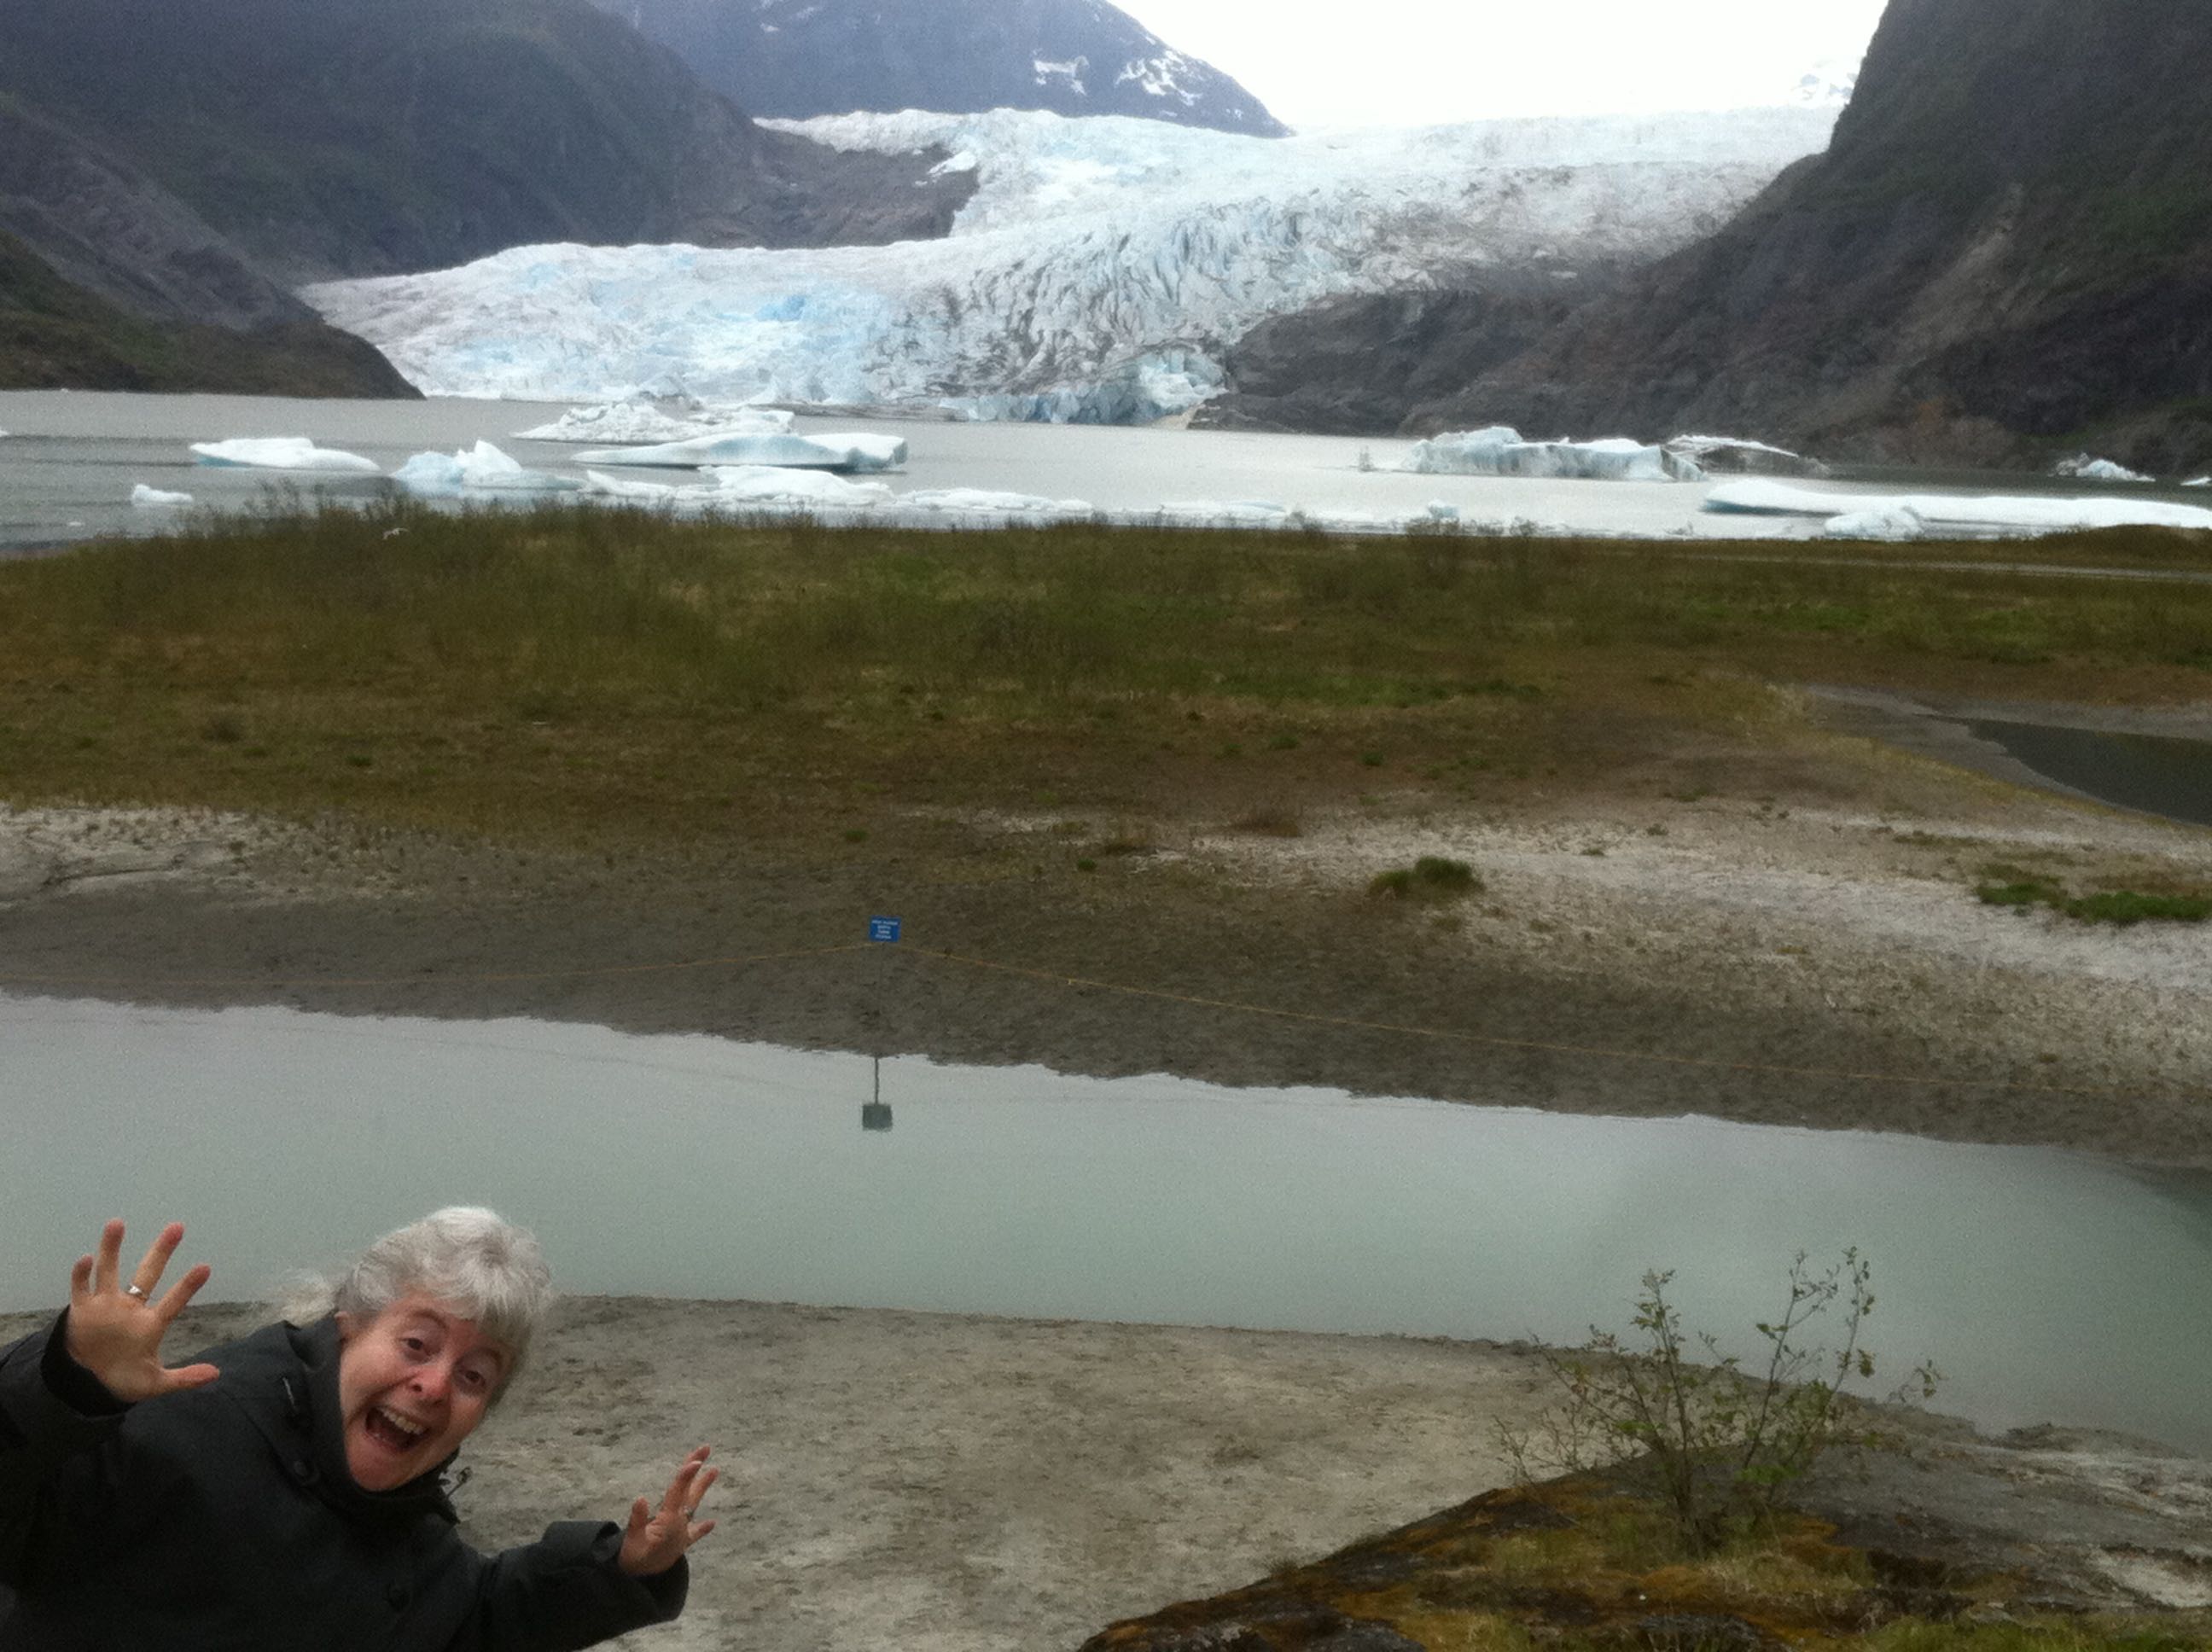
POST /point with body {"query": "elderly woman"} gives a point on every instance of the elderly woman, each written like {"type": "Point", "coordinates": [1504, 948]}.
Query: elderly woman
{"type": "Point", "coordinates": [288, 1490]}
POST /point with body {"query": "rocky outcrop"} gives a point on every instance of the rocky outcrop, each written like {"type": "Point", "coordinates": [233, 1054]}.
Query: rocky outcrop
{"type": "Point", "coordinates": [797, 58]}
{"type": "Point", "coordinates": [2007, 249]}
{"type": "Point", "coordinates": [326, 139]}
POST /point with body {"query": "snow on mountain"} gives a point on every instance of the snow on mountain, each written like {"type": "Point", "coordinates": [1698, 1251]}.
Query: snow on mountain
{"type": "Point", "coordinates": [1099, 269]}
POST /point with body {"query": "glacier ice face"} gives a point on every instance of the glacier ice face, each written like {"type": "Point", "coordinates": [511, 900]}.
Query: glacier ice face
{"type": "Point", "coordinates": [282, 454]}
{"type": "Point", "coordinates": [1100, 262]}
{"type": "Point", "coordinates": [482, 469]}
{"type": "Point", "coordinates": [847, 450]}
{"type": "Point", "coordinates": [147, 498]}
{"type": "Point", "coordinates": [2084, 468]}
{"type": "Point", "coordinates": [1499, 450]}
{"type": "Point", "coordinates": [639, 423]}
{"type": "Point", "coordinates": [1959, 513]}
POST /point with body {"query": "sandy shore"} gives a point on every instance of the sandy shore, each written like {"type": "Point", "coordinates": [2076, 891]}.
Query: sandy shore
{"type": "Point", "coordinates": [944, 1483]}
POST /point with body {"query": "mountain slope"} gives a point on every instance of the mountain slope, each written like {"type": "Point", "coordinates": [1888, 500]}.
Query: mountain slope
{"type": "Point", "coordinates": [797, 58]}
{"type": "Point", "coordinates": [2008, 246]}
{"type": "Point", "coordinates": [327, 137]}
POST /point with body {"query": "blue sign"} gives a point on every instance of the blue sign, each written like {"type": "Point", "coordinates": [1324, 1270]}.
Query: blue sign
{"type": "Point", "coordinates": [883, 929]}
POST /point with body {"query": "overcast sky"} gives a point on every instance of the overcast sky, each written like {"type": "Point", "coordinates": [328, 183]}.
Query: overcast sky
{"type": "Point", "coordinates": [1420, 61]}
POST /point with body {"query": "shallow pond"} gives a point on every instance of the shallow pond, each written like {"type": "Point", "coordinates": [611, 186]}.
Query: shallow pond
{"type": "Point", "coordinates": [2158, 774]}
{"type": "Point", "coordinates": [2049, 1285]}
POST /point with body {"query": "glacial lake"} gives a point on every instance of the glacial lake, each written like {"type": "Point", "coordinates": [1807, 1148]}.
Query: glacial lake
{"type": "Point", "coordinates": [2048, 1285]}
{"type": "Point", "coordinates": [2157, 773]}
{"type": "Point", "coordinates": [71, 458]}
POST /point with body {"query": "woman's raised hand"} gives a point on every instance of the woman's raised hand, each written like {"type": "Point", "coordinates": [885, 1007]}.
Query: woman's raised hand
{"type": "Point", "coordinates": [115, 1330]}
{"type": "Point", "coordinates": [657, 1538]}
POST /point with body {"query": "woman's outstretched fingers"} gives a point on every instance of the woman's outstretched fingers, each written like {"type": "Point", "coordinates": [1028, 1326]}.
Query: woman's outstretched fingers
{"type": "Point", "coordinates": [115, 1332]}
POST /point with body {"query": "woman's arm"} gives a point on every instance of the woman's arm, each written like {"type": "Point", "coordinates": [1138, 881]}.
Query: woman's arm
{"type": "Point", "coordinates": [63, 1391]}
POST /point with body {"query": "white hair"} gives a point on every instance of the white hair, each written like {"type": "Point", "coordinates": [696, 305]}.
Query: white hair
{"type": "Point", "coordinates": [469, 1258]}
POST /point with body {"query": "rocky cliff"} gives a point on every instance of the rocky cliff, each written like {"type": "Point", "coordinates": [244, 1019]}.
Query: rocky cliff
{"type": "Point", "coordinates": [797, 58]}
{"type": "Point", "coordinates": [2007, 249]}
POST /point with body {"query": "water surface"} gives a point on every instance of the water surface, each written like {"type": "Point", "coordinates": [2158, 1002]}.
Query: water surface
{"type": "Point", "coordinates": [2050, 1285]}
{"type": "Point", "coordinates": [2158, 774]}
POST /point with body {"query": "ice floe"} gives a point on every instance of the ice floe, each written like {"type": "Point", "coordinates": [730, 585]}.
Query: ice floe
{"type": "Point", "coordinates": [282, 454]}
{"type": "Point", "coordinates": [849, 450]}
{"type": "Point", "coordinates": [1953, 512]}
{"type": "Point", "coordinates": [642, 421]}
{"type": "Point", "coordinates": [153, 498]}
{"type": "Point", "coordinates": [483, 468]}
{"type": "Point", "coordinates": [2083, 468]}
{"type": "Point", "coordinates": [2198, 482]}
{"type": "Point", "coordinates": [770, 484]}
{"type": "Point", "coordinates": [1499, 450]}
{"type": "Point", "coordinates": [1740, 456]}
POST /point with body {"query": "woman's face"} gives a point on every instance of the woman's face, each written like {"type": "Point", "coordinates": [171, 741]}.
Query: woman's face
{"type": "Point", "coordinates": [413, 1383]}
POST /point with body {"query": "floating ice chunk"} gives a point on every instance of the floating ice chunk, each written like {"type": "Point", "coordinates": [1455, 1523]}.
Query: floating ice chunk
{"type": "Point", "coordinates": [149, 497]}
{"type": "Point", "coordinates": [1959, 512]}
{"type": "Point", "coordinates": [992, 503]}
{"type": "Point", "coordinates": [1740, 456]}
{"type": "Point", "coordinates": [282, 454]}
{"type": "Point", "coordinates": [641, 422]}
{"type": "Point", "coordinates": [2198, 482]}
{"type": "Point", "coordinates": [1499, 450]}
{"type": "Point", "coordinates": [609, 487]}
{"type": "Point", "coordinates": [1231, 513]}
{"type": "Point", "coordinates": [2086, 468]}
{"type": "Point", "coordinates": [483, 468]}
{"type": "Point", "coordinates": [1896, 524]}
{"type": "Point", "coordinates": [1442, 510]}
{"type": "Point", "coordinates": [771, 485]}
{"type": "Point", "coordinates": [845, 451]}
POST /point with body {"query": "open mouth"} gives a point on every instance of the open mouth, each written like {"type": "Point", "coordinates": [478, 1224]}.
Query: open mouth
{"type": "Point", "coordinates": [393, 1431]}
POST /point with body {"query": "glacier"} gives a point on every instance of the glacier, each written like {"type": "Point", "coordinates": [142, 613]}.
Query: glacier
{"type": "Point", "coordinates": [1891, 516]}
{"type": "Point", "coordinates": [1098, 273]}
{"type": "Point", "coordinates": [1499, 450]}
{"type": "Point", "coordinates": [282, 454]}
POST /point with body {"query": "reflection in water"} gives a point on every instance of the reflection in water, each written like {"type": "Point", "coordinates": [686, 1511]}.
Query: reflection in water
{"type": "Point", "coordinates": [875, 1115]}
{"type": "Point", "coordinates": [2157, 773]}
{"type": "Point", "coordinates": [2048, 1285]}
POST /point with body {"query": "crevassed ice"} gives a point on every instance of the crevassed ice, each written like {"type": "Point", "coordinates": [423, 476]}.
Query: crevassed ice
{"type": "Point", "coordinates": [1097, 273]}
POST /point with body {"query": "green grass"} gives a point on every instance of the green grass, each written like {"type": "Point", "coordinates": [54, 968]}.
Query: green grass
{"type": "Point", "coordinates": [616, 672]}
{"type": "Point", "coordinates": [2006, 886]}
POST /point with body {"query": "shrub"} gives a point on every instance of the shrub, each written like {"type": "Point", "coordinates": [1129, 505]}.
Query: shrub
{"type": "Point", "coordinates": [1431, 878]}
{"type": "Point", "coordinates": [1722, 1443]}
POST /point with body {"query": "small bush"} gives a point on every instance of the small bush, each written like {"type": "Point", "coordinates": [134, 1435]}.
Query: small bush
{"type": "Point", "coordinates": [1432, 878]}
{"type": "Point", "coordinates": [1721, 1443]}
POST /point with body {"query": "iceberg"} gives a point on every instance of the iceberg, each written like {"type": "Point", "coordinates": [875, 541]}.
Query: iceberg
{"type": "Point", "coordinates": [149, 498]}
{"type": "Point", "coordinates": [1499, 450]}
{"type": "Point", "coordinates": [985, 501]}
{"type": "Point", "coordinates": [1998, 514]}
{"type": "Point", "coordinates": [641, 422]}
{"type": "Point", "coordinates": [767, 484]}
{"type": "Point", "coordinates": [2198, 482]}
{"type": "Point", "coordinates": [2083, 468]}
{"type": "Point", "coordinates": [1896, 524]}
{"type": "Point", "coordinates": [282, 454]}
{"type": "Point", "coordinates": [483, 468]}
{"type": "Point", "coordinates": [1101, 270]}
{"type": "Point", "coordinates": [601, 485]}
{"type": "Point", "coordinates": [1740, 456]}
{"type": "Point", "coordinates": [851, 451]}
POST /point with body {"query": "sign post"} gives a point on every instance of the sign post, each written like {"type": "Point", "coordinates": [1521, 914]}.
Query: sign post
{"type": "Point", "coordinates": [877, 1115]}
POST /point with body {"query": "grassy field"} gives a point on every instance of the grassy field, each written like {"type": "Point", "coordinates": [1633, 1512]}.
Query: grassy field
{"type": "Point", "coordinates": [598, 677]}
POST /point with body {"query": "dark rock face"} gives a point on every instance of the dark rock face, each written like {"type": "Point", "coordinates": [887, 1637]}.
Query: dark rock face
{"type": "Point", "coordinates": [1358, 366]}
{"type": "Point", "coordinates": [328, 138]}
{"type": "Point", "coordinates": [2008, 242]}
{"type": "Point", "coordinates": [801, 57]}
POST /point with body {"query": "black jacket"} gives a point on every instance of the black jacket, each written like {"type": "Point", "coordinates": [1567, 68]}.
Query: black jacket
{"type": "Point", "coordinates": [224, 1517]}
